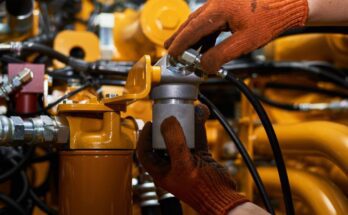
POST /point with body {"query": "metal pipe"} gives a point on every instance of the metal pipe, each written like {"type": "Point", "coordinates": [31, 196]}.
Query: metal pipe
{"type": "Point", "coordinates": [321, 195]}
{"type": "Point", "coordinates": [310, 138]}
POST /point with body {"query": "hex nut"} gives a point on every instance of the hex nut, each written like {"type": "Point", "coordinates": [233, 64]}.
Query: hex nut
{"type": "Point", "coordinates": [49, 129]}
{"type": "Point", "coordinates": [63, 131]}
{"type": "Point", "coordinates": [18, 128]}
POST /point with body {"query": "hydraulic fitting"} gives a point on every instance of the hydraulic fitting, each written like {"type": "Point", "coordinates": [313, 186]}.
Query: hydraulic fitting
{"type": "Point", "coordinates": [38, 130]}
{"type": "Point", "coordinates": [146, 190]}
{"type": "Point", "coordinates": [175, 96]}
{"type": "Point", "coordinates": [25, 76]}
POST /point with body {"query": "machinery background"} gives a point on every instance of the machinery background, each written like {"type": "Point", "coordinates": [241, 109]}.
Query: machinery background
{"type": "Point", "coordinates": [79, 78]}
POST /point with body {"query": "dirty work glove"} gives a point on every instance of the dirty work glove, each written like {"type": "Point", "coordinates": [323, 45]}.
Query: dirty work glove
{"type": "Point", "coordinates": [252, 22]}
{"type": "Point", "coordinates": [194, 178]}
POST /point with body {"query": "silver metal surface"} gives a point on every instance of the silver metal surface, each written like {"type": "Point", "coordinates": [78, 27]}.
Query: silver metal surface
{"type": "Point", "coordinates": [182, 91]}
{"type": "Point", "coordinates": [25, 76]}
{"type": "Point", "coordinates": [183, 112]}
{"type": "Point", "coordinates": [38, 130]}
{"type": "Point", "coordinates": [191, 58]}
{"type": "Point", "coordinates": [174, 96]}
{"type": "Point", "coordinates": [333, 106]}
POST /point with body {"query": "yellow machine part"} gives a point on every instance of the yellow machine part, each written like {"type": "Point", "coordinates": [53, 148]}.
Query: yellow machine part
{"type": "Point", "coordinates": [106, 129]}
{"type": "Point", "coordinates": [84, 14]}
{"type": "Point", "coordinates": [84, 41]}
{"type": "Point", "coordinates": [324, 47]}
{"type": "Point", "coordinates": [314, 146]}
{"type": "Point", "coordinates": [320, 195]}
{"type": "Point", "coordinates": [309, 138]}
{"type": "Point", "coordinates": [139, 33]}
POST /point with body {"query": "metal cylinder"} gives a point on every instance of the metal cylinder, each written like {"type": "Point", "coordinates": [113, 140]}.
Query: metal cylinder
{"type": "Point", "coordinates": [174, 100]}
{"type": "Point", "coordinates": [26, 103]}
{"type": "Point", "coordinates": [20, 15]}
{"type": "Point", "coordinates": [183, 110]}
{"type": "Point", "coordinates": [95, 182]}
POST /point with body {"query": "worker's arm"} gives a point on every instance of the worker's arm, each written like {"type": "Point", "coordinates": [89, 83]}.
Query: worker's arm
{"type": "Point", "coordinates": [253, 23]}
{"type": "Point", "coordinates": [193, 177]}
{"type": "Point", "coordinates": [329, 12]}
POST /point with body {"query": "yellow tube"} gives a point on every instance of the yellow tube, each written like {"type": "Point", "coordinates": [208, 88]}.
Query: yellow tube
{"type": "Point", "coordinates": [322, 196]}
{"type": "Point", "coordinates": [309, 138]}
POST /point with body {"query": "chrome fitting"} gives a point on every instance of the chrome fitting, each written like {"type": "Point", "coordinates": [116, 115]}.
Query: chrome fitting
{"type": "Point", "coordinates": [38, 130]}
{"type": "Point", "coordinates": [25, 76]}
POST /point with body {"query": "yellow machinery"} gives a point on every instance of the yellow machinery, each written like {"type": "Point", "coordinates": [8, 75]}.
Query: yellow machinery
{"type": "Point", "coordinates": [94, 130]}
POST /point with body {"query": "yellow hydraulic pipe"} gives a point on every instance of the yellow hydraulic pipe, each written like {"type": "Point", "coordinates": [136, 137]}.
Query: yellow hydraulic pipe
{"type": "Point", "coordinates": [322, 196]}
{"type": "Point", "coordinates": [310, 138]}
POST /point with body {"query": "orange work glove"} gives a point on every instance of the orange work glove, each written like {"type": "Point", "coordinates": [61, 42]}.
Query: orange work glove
{"type": "Point", "coordinates": [194, 178]}
{"type": "Point", "coordinates": [253, 23]}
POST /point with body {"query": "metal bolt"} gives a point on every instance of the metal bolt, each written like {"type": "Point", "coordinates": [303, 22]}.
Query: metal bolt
{"type": "Point", "coordinates": [67, 101]}
{"type": "Point", "coordinates": [110, 95]}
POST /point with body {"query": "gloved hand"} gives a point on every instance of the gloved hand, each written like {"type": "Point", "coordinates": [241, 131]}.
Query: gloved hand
{"type": "Point", "coordinates": [194, 178]}
{"type": "Point", "coordinates": [253, 23]}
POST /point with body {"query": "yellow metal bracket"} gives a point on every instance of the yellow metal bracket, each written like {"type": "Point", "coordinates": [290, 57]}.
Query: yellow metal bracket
{"type": "Point", "coordinates": [139, 82]}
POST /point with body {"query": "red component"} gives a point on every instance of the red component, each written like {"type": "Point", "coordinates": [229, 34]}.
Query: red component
{"type": "Point", "coordinates": [26, 103]}
{"type": "Point", "coordinates": [27, 98]}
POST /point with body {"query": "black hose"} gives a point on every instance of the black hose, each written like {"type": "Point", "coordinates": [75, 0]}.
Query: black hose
{"type": "Point", "coordinates": [25, 187]}
{"type": "Point", "coordinates": [266, 122]}
{"type": "Point", "coordinates": [42, 38]}
{"type": "Point", "coordinates": [8, 174]}
{"type": "Point", "coordinates": [68, 95]}
{"type": "Point", "coordinates": [12, 204]}
{"type": "Point", "coordinates": [45, 208]}
{"type": "Point", "coordinates": [76, 64]}
{"type": "Point", "coordinates": [242, 150]}
{"type": "Point", "coordinates": [171, 206]}
{"type": "Point", "coordinates": [248, 69]}
{"type": "Point", "coordinates": [151, 210]}
{"type": "Point", "coordinates": [316, 30]}
{"type": "Point", "coordinates": [308, 89]}
{"type": "Point", "coordinates": [279, 105]}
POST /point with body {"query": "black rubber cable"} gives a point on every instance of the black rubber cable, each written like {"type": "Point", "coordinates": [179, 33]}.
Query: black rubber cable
{"type": "Point", "coordinates": [170, 206]}
{"type": "Point", "coordinates": [12, 204]}
{"type": "Point", "coordinates": [45, 208]}
{"type": "Point", "coordinates": [77, 64]}
{"type": "Point", "coordinates": [248, 69]}
{"type": "Point", "coordinates": [279, 105]}
{"type": "Point", "coordinates": [68, 95]}
{"type": "Point", "coordinates": [25, 188]}
{"type": "Point", "coordinates": [25, 183]}
{"type": "Point", "coordinates": [6, 175]}
{"type": "Point", "coordinates": [277, 153]}
{"type": "Point", "coordinates": [242, 150]}
{"type": "Point", "coordinates": [316, 30]}
{"type": "Point", "coordinates": [303, 88]}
